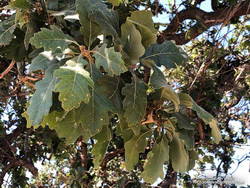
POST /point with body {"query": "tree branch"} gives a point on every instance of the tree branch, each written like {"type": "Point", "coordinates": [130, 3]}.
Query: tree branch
{"type": "Point", "coordinates": [15, 163]}
{"type": "Point", "coordinates": [8, 69]}
{"type": "Point", "coordinates": [205, 20]}
{"type": "Point", "coordinates": [109, 156]}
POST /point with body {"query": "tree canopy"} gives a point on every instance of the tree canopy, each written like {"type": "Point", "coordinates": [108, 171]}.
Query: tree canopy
{"type": "Point", "coordinates": [121, 93]}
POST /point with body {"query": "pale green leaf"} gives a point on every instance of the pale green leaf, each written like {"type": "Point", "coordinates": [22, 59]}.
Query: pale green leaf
{"type": "Point", "coordinates": [73, 85]}
{"type": "Point", "coordinates": [167, 54]}
{"type": "Point", "coordinates": [21, 18]}
{"type": "Point", "coordinates": [178, 155]}
{"type": "Point", "coordinates": [135, 102]}
{"type": "Point", "coordinates": [144, 23]}
{"type": "Point", "coordinates": [51, 39]}
{"type": "Point", "coordinates": [99, 149]}
{"type": "Point", "coordinates": [153, 167]}
{"type": "Point", "coordinates": [110, 60]}
{"type": "Point", "coordinates": [133, 147]}
{"type": "Point", "coordinates": [131, 41]}
{"type": "Point", "coordinates": [186, 100]}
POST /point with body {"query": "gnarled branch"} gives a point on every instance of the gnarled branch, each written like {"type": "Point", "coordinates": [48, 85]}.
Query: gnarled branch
{"type": "Point", "coordinates": [204, 20]}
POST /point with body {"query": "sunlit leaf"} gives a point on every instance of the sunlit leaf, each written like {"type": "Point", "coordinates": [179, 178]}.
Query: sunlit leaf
{"type": "Point", "coordinates": [110, 60]}
{"type": "Point", "coordinates": [73, 85]}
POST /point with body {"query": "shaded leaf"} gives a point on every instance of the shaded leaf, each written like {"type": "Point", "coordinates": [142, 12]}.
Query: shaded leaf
{"type": "Point", "coordinates": [169, 94]}
{"type": "Point", "coordinates": [144, 23]}
{"type": "Point", "coordinates": [41, 101]}
{"type": "Point", "coordinates": [15, 50]}
{"type": "Point", "coordinates": [167, 54]}
{"type": "Point", "coordinates": [107, 19]}
{"type": "Point", "coordinates": [131, 41]}
{"type": "Point", "coordinates": [157, 79]}
{"type": "Point", "coordinates": [153, 167]}
{"type": "Point", "coordinates": [134, 103]}
{"type": "Point", "coordinates": [42, 61]}
{"type": "Point", "coordinates": [123, 130]}
{"type": "Point", "coordinates": [178, 155]}
{"type": "Point", "coordinates": [186, 100]}
{"type": "Point", "coordinates": [111, 90]}
{"type": "Point", "coordinates": [68, 126]}
{"type": "Point", "coordinates": [99, 149]}
{"type": "Point", "coordinates": [7, 28]}
{"type": "Point", "coordinates": [183, 121]}
{"type": "Point", "coordinates": [188, 137]}
{"type": "Point", "coordinates": [73, 85]}
{"type": "Point", "coordinates": [89, 29]}
{"type": "Point", "coordinates": [96, 18]}
{"type": "Point", "coordinates": [110, 60]}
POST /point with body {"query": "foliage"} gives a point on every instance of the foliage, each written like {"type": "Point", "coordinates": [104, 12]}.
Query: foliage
{"type": "Point", "coordinates": [98, 93]}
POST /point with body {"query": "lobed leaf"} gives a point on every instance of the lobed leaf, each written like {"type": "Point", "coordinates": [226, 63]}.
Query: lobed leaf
{"type": "Point", "coordinates": [73, 85]}
{"type": "Point", "coordinates": [51, 39]}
